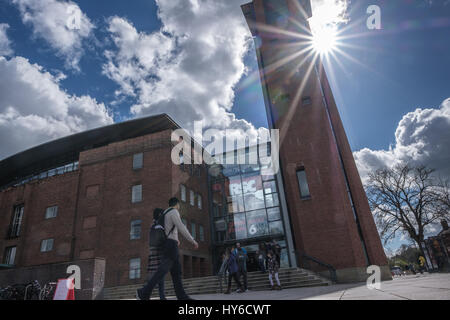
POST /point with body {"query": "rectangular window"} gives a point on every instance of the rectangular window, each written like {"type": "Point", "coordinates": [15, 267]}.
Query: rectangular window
{"type": "Point", "coordinates": [16, 222]}
{"type": "Point", "coordinates": [135, 231]}
{"type": "Point", "coordinates": [193, 231]}
{"type": "Point", "coordinates": [303, 184]}
{"type": "Point", "coordinates": [201, 233]}
{"type": "Point", "coordinates": [135, 268]}
{"type": "Point", "coordinates": [47, 245]}
{"type": "Point", "coordinates": [184, 221]}
{"type": "Point", "coordinates": [199, 201]}
{"type": "Point", "coordinates": [138, 160]}
{"type": "Point", "coordinates": [192, 198]}
{"type": "Point", "coordinates": [51, 212]}
{"type": "Point", "coordinates": [136, 194]}
{"type": "Point", "coordinates": [10, 256]}
{"type": "Point", "coordinates": [183, 192]}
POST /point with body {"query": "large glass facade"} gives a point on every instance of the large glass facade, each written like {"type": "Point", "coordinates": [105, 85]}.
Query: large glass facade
{"type": "Point", "coordinates": [245, 206]}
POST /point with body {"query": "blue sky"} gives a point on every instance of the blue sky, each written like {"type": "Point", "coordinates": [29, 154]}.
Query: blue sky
{"type": "Point", "coordinates": [391, 85]}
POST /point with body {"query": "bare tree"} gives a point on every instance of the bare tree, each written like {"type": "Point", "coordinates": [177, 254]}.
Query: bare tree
{"type": "Point", "coordinates": [407, 200]}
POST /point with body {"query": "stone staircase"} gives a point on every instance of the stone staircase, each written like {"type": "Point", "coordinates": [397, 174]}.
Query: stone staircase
{"type": "Point", "coordinates": [257, 281]}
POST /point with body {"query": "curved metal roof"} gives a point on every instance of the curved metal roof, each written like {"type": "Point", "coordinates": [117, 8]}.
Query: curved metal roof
{"type": "Point", "coordinates": [65, 150]}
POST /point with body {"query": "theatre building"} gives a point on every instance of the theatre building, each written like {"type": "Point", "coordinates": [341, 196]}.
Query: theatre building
{"type": "Point", "coordinates": [88, 199]}
{"type": "Point", "coordinates": [91, 196]}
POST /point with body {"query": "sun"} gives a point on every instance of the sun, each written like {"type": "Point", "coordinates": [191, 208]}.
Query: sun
{"type": "Point", "coordinates": [324, 40]}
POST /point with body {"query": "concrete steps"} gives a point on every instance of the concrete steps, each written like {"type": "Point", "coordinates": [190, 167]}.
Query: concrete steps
{"type": "Point", "coordinates": [257, 281]}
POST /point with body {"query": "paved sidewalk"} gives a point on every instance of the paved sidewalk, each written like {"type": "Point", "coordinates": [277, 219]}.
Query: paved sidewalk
{"type": "Point", "coordinates": [418, 287]}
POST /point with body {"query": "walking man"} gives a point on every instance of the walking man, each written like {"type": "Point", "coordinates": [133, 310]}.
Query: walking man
{"type": "Point", "coordinates": [170, 258]}
{"type": "Point", "coordinates": [154, 258]}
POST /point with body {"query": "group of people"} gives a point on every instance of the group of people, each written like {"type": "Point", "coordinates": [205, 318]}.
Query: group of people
{"type": "Point", "coordinates": [165, 258]}
{"type": "Point", "coordinates": [234, 265]}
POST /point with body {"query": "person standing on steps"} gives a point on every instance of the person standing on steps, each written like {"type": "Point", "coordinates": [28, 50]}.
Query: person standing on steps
{"type": "Point", "coordinates": [273, 267]}
{"type": "Point", "coordinates": [155, 257]}
{"type": "Point", "coordinates": [242, 257]}
{"type": "Point", "coordinates": [170, 257]}
{"type": "Point", "coordinates": [233, 271]}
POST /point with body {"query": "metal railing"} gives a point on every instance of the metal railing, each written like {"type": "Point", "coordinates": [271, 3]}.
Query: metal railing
{"type": "Point", "coordinates": [305, 262]}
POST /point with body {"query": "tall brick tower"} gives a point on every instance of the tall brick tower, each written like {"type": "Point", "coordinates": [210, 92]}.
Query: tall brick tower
{"type": "Point", "coordinates": [328, 209]}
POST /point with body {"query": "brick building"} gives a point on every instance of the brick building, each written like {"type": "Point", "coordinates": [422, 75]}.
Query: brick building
{"type": "Point", "coordinates": [328, 209]}
{"type": "Point", "coordinates": [92, 195]}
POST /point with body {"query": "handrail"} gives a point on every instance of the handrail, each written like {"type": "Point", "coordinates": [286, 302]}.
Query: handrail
{"type": "Point", "coordinates": [331, 269]}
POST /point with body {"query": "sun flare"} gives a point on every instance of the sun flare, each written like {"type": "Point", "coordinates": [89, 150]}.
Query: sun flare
{"type": "Point", "coordinates": [325, 40]}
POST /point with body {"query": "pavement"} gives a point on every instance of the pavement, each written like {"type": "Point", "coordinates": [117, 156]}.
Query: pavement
{"type": "Point", "coordinates": [412, 287]}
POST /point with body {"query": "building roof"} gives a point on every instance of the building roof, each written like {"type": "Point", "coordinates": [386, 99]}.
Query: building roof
{"type": "Point", "coordinates": [66, 150]}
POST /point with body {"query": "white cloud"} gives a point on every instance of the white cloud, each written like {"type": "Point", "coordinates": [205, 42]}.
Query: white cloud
{"type": "Point", "coordinates": [422, 137]}
{"type": "Point", "coordinates": [5, 43]}
{"type": "Point", "coordinates": [34, 109]}
{"type": "Point", "coordinates": [328, 13]}
{"type": "Point", "coordinates": [187, 69]}
{"type": "Point", "coordinates": [61, 24]}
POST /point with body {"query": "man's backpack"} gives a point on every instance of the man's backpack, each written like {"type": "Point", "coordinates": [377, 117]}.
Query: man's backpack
{"type": "Point", "coordinates": [158, 235]}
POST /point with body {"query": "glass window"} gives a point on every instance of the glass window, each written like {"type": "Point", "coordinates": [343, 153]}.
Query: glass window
{"type": "Point", "coordinates": [272, 200]}
{"type": "Point", "coordinates": [135, 231]}
{"type": "Point", "coordinates": [201, 233]}
{"type": "Point", "coordinates": [276, 227]}
{"type": "Point", "coordinates": [16, 222]}
{"type": "Point", "coordinates": [75, 166]}
{"type": "Point", "coordinates": [68, 168]}
{"type": "Point", "coordinates": [10, 256]}
{"type": "Point", "coordinates": [257, 223]}
{"type": "Point", "coordinates": [199, 201]}
{"type": "Point", "coordinates": [138, 160]}
{"type": "Point", "coordinates": [47, 245]}
{"type": "Point", "coordinates": [51, 212]}
{"type": "Point", "coordinates": [193, 230]}
{"type": "Point", "coordinates": [43, 175]}
{"type": "Point", "coordinates": [184, 221]}
{"type": "Point", "coordinates": [183, 192]}
{"type": "Point", "coordinates": [273, 214]}
{"type": "Point", "coordinates": [270, 187]}
{"type": "Point", "coordinates": [136, 194]}
{"type": "Point", "coordinates": [237, 227]}
{"type": "Point", "coordinates": [303, 184]}
{"type": "Point", "coordinates": [60, 170]}
{"type": "Point", "coordinates": [192, 198]}
{"type": "Point", "coordinates": [306, 101]}
{"type": "Point", "coordinates": [51, 172]}
{"type": "Point", "coordinates": [135, 268]}
{"type": "Point", "coordinates": [254, 201]}
{"type": "Point", "coordinates": [235, 204]}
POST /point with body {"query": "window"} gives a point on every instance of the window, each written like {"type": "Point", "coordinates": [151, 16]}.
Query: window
{"type": "Point", "coordinates": [193, 231]}
{"type": "Point", "coordinates": [135, 231]}
{"type": "Point", "coordinates": [183, 192]}
{"type": "Point", "coordinates": [47, 245]}
{"type": "Point", "coordinates": [135, 268]}
{"type": "Point", "coordinates": [184, 221]}
{"type": "Point", "coordinates": [51, 212]}
{"type": "Point", "coordinates": [201, 233]}
{"type": "Point", "coordinates": [10, 256]}
{"type": "Point", "coordinates": [303, 184]}
{"type": "Point", "coordinates": [192, 198]}
{"type": "Point", "coordinates": [199, 201]}
{"type": "Point", "coordinates": [16, 222]}
{"type": "Point", "coordinates": [138, 160]}
{"type": "Point", "coordinates": [136, 194]}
